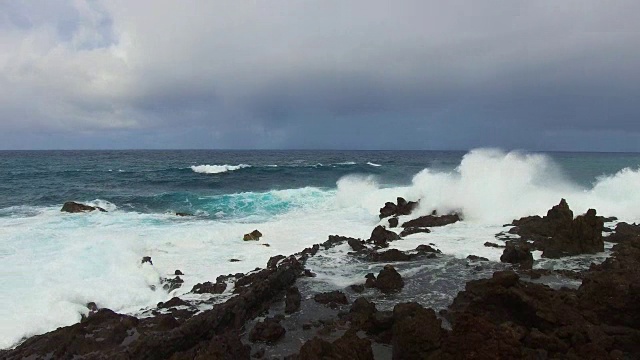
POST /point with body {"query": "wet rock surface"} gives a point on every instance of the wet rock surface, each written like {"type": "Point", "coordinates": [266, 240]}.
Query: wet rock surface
{"type": "Point", "coordinates": [401, 207]}
{"type": "Point", "coordinates": [279, 312]}
{"type": "Point", "coordinates": [432, 221]}
{"type": "Point", "coordinates": [74, 207]}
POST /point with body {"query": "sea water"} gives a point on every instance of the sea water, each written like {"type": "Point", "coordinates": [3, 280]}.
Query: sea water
{"type": "Point", "coordinates": [53, 263]}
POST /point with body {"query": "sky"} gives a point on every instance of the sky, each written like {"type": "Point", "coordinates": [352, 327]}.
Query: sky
{"type": "Point", "coordinates": [560, 75]}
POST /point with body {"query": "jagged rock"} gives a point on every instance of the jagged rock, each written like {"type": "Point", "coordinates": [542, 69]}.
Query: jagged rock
{"type": "Point", "coordinates": [175, 301]}
{"type": "Point", "coordinates": [178, 272]}
{"type": "Point", "coordinates": [292, 300]}
{"type": "Point", "coordinates": [393, 222]}
{"type": "Point", "coordinates": [403, 207]}
{"type": "Point", "coordinates": [432, 221]}
{"type": "Point", "coordinates": [234, 260]}
{"type": "Point", "coordinates": [416, 331]}
{"type": "Point", "coordinates": [268, 331]}
{"type": "Point", "coordinates": [356, 245]}
{"type": "Point", "coordinates": [389, 256]}
{"type": "Point", "coordinates": [413, 230]}
{"type": "Point", "coordinates": [335, 240]}
{"type": "Point", "coordinates": [477, 258]}
{"type": "Point", "coordinates": [583, 235]}
{"type": "Point", "coordinates": [331, 297]}
{"type": "Point", "coordinates": [255, 235]}
{"type": "Point", "coordinates": [74, 207]}
{"type": "Point", "coordinates": [361, 314]}
{"type": "Point", "coordinates": [624, 232]}
{"type": "Point", "coordinates": [426, 249]}
{"type": "Point", "coordinates": [209, 288]}
{"type": "Point", "coordinates": [370, 281]}
{"type": "Point", "coordinates": [273, 261]}
{"type": "Point", "coordinates": [146, 259]}
{"type": "Point", "coordinates": [381, 236]}
{"type": "Point", "coordinates": [519, 254]}
{"type": "Point", "coordinates": [172, 284]}
{"type": "Point", "coordinates": [348, 347]}
{"type": "Point", "coordinates": [389, 280]}
{"type": "Point", "coordinates": [493, 245]}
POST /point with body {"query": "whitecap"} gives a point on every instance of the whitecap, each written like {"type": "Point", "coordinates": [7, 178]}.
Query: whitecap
{"type": "Point", "coordinates": [217, 169]}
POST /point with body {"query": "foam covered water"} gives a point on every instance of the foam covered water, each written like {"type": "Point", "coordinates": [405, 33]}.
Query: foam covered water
{"type": "Point", "coordinates": [54, 263]}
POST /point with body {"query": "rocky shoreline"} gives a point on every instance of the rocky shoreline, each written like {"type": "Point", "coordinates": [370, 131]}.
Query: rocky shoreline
{"type": "Point", "coordinates": [276, 312]}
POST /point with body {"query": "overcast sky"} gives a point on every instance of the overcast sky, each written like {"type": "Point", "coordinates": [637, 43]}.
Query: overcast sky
{"type": "Point", "coordinates": [324, 74]}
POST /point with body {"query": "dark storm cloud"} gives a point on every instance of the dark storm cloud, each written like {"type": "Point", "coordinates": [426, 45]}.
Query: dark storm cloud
{"type": "Point", "coordinates": [332, 74]}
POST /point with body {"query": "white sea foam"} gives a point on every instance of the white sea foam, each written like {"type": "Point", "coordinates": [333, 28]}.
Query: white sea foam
{"type": "Point", "coordinates": [54, 263]}
{"type": "Point", "coordinates": [373, 164]}
{"type": "Point", "coordinates": [217, 169]}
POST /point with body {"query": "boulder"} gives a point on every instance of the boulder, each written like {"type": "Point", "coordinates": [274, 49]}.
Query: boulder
{"type": "Point", "coordinates": [413, 230]}
{"type": "Point", "coordinates": [389, 280]}
{"type": "Point", "coordinates": [146, 259]}
{"type": "Point", "coordinates": [209, 288]}
{"type": "Point", "coordinates": [582, 235]}
{"type": "Point", "coordinates": [356, 244]}
{"type": "Point", "coordinates": [381, 236]}
{"type": "Point", "coordinates": [389, 256]}
{"type": "Point", "coordinates": [403, 207]}
{"type": "Point", "coordinates": [624, 232]}
{"type": "Point", "coordinates": [348, 346]}
{"type": "Point", "coordinates": [393, 222]}
{"type": "Point", "coordinates": [477, 258]}
{"type": "Point", "coordinates": [292, 300]}
{"type": "Point", "coordinates": [269, 330]}
{"type": "Point", "coordinates": [416, 331]}
{"type": "Point", "coordinates": [273, 261]}
{"type": "Point", "coordinates": [432, 221]}
{"type": "Point", "coordinates": [519, 254]}
{"type": "Point", "coordinates": [331, 297]}
{"type": "Point", "coordinates": [255, 235]}
{"type": "Point", "coordinates": [74, 207]}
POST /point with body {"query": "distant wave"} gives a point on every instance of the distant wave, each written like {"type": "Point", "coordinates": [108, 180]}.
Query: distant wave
{"type": "Point", "coordinates": [217, 169]}
{"type": "Point", "coordinates": [373, 164]}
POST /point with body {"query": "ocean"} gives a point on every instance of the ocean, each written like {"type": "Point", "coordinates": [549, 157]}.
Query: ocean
{"type": "Point", "coordinates": [53, 263]}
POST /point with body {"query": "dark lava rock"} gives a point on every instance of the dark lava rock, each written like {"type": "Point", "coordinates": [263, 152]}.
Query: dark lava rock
{"type": "Point", "coordinates": [292, 300]}
{"type": "Point", "coordinates": [335, 240]}
{"type": "Point", "coordinates": [348, 347]}
{"type": "Point", "coordinates": [146, 259]}
{"type": "Point", "coordinates": [414, 230]}
{"type": "Point", "coordinates": [381, 236]}
{"type": "Point", "coordinates": [268, 331]}
{"type": "Point", "coordinates": [336, 297]}
{"type": "Point", "coordinates": [493, 245]}
{"type": "Point", "coordinates": [519, 254]}
{"type": "Point", "coordinates": [357, 288]}
{"type": "Point", "coordinates": [426, 249]}
{"type": "Point", "coordinates": [74, 207]}
{"type": "Point", "coordinates": [255, 235]}
{"type": "Point", "coordinates": [403, 207]}
{"type": "Point", "coordinates": [624, 232]}
{"type": "Point", "coordinates": [183, 214]}
{"type": "Point", "coordinates": [175, 301]}
{"type": "Point", "coordinates": [356, 244]}
{"type": "Point", "coordinates": [172, 284]}
{"type": "Point", "coordinates": [432, 221]}
{"type": "Point", "coordinates": [361, 314]}
{"type": "Point", "coordinates": [178, 272]}
{"type": "Point", "coordinates": [583, 235]}
{"type": "Point", "coordinates": [273, 261]}
{"type": "Point", "coordinates": [234, 260]}
{"type": "Point", "coordinates": [393, 222]}
{"type": "Point", "coordinates": [477, 258]}
{"type": "Point", "coordinates": [389, 280]}
{"type": "Point", "coordinates": [416, 331]}
{"type": "Point", "coordinates": [209, 288]}
{"type": "Point", "coordinates": [389, 256]}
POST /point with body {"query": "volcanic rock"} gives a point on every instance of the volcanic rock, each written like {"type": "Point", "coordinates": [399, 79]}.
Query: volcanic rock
{"type": "Point", "coordinates": [624, 232]}
{"type": "Point", "coordinates": [393, 222]}
{"type": "Point", "coordinates": [381, 236]}
{"type": "Point", "coordinates": [389, 256]}
{"type": "Point", "coordinates": [477, 258]}
{"type": "Point", "coordinates": [273, 261]}
{"type": "Point", "coordinates": [583, 235]}
{"type": "Point", "coordinates": [403, 207]}
{"type": "Point", "coordinates": [335, 297]}
{"type": "Point", "coordinates": [292, 300]}
{"type": "Point", "coordinates": [209, 288]}
{"type": "Point", "coordinates": [178, 272]}
{"type": "Point", "coordinates": [413, 230]}
{"type": "Point", "coordinates": [348, 346]}
{"type": "Point", "coordinates": [416, 331]}
{"type": "Point", "coordinates": [356, 244]}
{"type": "Point", "coordinates": [432, 221]}
{"type": "Point", "coordinates": [268, 331]}
{"type": "Point", "coordinates": [74, 207]}
{"type": "Point", "coordinates": [255, 235]}
{"type": "Point", "coordinates": [389, 280]}
{"type": "Point", "coordinates": [146, 259]}
{"type": "Point", "coordinates": [519, 254]}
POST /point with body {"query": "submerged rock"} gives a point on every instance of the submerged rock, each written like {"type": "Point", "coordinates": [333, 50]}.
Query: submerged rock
{"type": "Point", "coordinates": [74, 207]}
{"type": "Point", "coordinates": [414, 230]}
{"type": "Point", "coordinates": [403, 207]}
{"type": "Point", "coordinates": [389, 256]}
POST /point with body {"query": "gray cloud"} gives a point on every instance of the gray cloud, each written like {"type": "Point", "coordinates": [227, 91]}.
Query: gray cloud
{"type": "Point", "coordinates": [331, 74]}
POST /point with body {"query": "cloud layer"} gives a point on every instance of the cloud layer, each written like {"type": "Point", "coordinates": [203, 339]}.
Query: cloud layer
{"type": "Point", "coordinates": [328, 74]}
